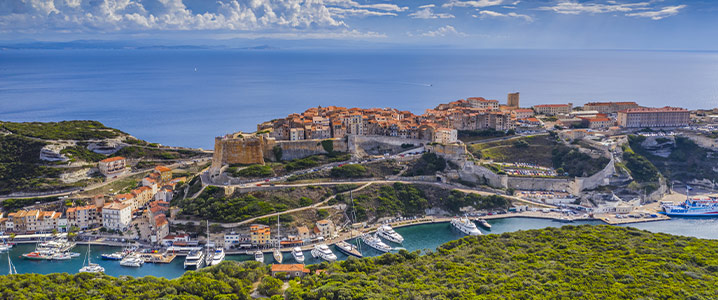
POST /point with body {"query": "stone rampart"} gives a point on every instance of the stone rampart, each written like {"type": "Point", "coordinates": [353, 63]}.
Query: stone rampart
{"type": "Point", "coordinates": [379, 144]}
{"type": "Point", "coordinates": [300, 149]}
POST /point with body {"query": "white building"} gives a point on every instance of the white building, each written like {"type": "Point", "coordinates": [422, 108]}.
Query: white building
{"type": "Point", "coordinates": [116, 216]}
{"type": "Point", "coordinates": [445, 136]}
{"type": "Point", "coordinates": [112, 166]}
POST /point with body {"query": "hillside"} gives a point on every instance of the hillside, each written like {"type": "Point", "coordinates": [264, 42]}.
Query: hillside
{"type": "Point", "coordinates": [685, 161]}
{"type": "Point", "coordinates": [51, 156]}
{"type": "Point", "coordinates": [572, 262]}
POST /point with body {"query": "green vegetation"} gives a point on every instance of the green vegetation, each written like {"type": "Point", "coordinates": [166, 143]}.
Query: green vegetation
{"type": "Point", "coordinates": [80, 152]}
{"type": "Point", "coordinates": [576, 163]}
{"type": "Point", "coordinates": [214, 205]}
{"type": "Point", "coordinates": [328, 146]}
{"type": "Point", "coordinates": [301, 163]}
{"type": "Point", "coordinates": [645, 175]}
{"type": "Point", "coordinates": [277, 151]}
{"type": "Point", "coordinates": [65, 130]}
{"type": "Point", "coordinates": [349, 171]}
{"type": "Point", "coordinates": [270, 286]}
{"type": "Point", "coordinates": [428, 164]}
{"type": "Point", "coordinates": [686, 162]}
{"type": "Point", "coordinates": [254, 171]}
{"type": "Point", "coordinates": [572, 262]}
{"type": "Point", "coordinates": [156, 153]}
{"type": "Point", "coordinates": [12, 205]}
{"type": "Point", "coordinates": [474, 135]}
{"type": "Point", "coordinates": [379, 201]}
{"type": "Point", "coordinates": [229, 280]}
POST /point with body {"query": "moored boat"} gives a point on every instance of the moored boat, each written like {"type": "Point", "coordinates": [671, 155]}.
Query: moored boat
{"type": "Point", "coordinates": [298, 255]}
{"type": "Point", "coordinates": [217, 257]}
{"type": "Point", "coordinates": [259, 256]}
{"type": "Point", "coordinates": [37, 255]}
{"type": "Point", "coordinates": [465, 225]}
{"type": "Point", "coordinates": [375, 242]}
{"type": "Point", "coordinates": [348, 249]}
{"type": "Point", "coordinates": [693, 207]}
{"type": "Point", "coordinates": [132, 261]}
{"type": "Point", "coordinates": [388, 233]}
{"type": "Point", "coordinates": [323, 252]}
{"type": "Point", "coordinates": [278, 257]}
{"type": "Point", "coordinates": [113, 256]}
{"type": "Point", "coordinates": [88, 266]}
{"type": "Point", "coordinates": [484, 224]}
{"type": "Point", "coordinates": [194, 260]}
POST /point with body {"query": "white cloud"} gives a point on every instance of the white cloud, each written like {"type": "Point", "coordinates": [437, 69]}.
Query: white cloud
{"type": "Point", "coordinates": [490, 13]}
{"type": "Point", "coordinates": [138, 15]}
{"type": "Point", "coordinates": [427, 6]}
{"type": "Point", "coordinates": [659, 14]}
{"type": "Point", "coordinates": [447, 30]}
{"type": "Point", "coordinates": [574, 7]}
{"type": "Point", "coordinates": [428, 13]}
{"type": "Point", "coordinates": [474, 3]}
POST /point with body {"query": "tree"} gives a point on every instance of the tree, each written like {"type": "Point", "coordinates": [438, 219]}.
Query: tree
{"type": "Point", "coordinates": [277, 151]}
{"type": "Point", "coordinates": [270, 286]}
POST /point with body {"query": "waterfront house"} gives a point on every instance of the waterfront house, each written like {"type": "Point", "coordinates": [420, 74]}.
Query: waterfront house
{"type": "Point", "coordinates": [292, 270]}
{"type": "Point", "coordinates": [117, 216]}
{"type": "Point", "coordinates": [259, 234]}
{"type": "Point", "coordinates": [83, 217]}
{"type": "Point", "coordinates": [324, 228]}
{"type": "Point", "coordinates": [176, 239]}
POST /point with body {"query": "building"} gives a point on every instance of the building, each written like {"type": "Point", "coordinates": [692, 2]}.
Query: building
{"type": "Point", "coordinates": [128, 199]}
{"type": "Point", "coordinates": [142, 195]}
{"type": "Point", "coordinates": [33, 221]}
{"type": "Point", "coordinates": [513, 100]}
{"type": "Point", "coordinates": [653, 117]}
{"type": "Point", "coordinates": [83, 217]}
{"type": "Point", "coordinates": [445, 136]}
{"type": "Point", "coordinates": [303, 233]}
{"type": "Point", "coordinates": [553, 109]}
{"type": "Point", "coordinates": [116, 216]}
{"type": "Point", "coordinates": [324, 228]}
{"type": "Point", "coordinates": [479, 102]}
{"type": "Point", "coordinates": [597, 122]}
{"type": "Point", "coordinates": [523, 113]}
{"type": "Point", "coordinates": [609, 107]}
{"type": "Point", "coordinates": [292, 270]}
{"type": "Point", "coordinates": [259, 234]}
{"type": "Point", "coordinates": [165, 173]}
{"type": "Point", "coordinates": [296, 134]}
{"type": "Point", "coordinates": [112, 166]}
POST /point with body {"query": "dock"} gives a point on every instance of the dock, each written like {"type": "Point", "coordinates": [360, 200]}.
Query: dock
{"type": "Point", "coordinates": [157, 258]}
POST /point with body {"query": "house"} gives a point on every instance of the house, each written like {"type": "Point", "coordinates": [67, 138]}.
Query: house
{"type": "Point", "coordinates": [165, 194]}
{"type": "Point", "coordinates": [553, 109]}
{"type": "Point", "coordinates": [303, 233]}
{"type": "Point", "coordinates": [83, 217]}
{"type": "Point", "coordinates": [596, 122]}
{"type": "Point", "coordinates": [259, 234]}
{"type": "Point", "coordinates": [112, 166]}
{"type": "Point", "coordinates": [165, 173]}
{"type": "Point", "coordinates": [142, 196]}
{"type": "Point", "coordinates": [32, 221]}
{"type": "Point", "coordinates": [324, 228]}
{"type": "Point", "coordinates": [161, 228]}
{"type": "Point", "coordinates": [128, 199]}
{"type": "Point", "coordinates": [292, 270]}
{"type": "Point", "coordinates": [117, 216]}
{"type": "Point", "coordinates": [171, 240]}
{"type": "Point", "coordinates": [523, 113]}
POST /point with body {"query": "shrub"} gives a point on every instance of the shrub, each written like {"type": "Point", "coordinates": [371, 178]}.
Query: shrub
{"type": "Point", "coordinates": [349, 171]}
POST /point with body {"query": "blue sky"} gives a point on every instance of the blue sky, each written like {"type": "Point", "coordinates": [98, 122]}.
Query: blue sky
{"type": "Point", "coordinates": [596, 24]}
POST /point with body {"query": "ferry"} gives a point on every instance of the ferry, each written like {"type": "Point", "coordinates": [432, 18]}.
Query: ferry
{"type": "Point", "coordinates": [194, 260]}
{"type": "Point", "coordinates": [217, 257]}
{"type": "Point", "coordinates": [465, 225]}
{"type": "Point", "coordinates": [348, 249]}
{"type": "Point", "coordinates": [298, 255]}
{"type": "Point", "coordinates": [375, 242]}
{"type": "Point", "coordinates": [693, 207]}
{"type": "Point", "coordinates": [323, 252]}
{"type": "Point", "coordinates": [388, 233]}
{"type": "Point", "coordinates": [484, 224]}
{"type": "Point", "coordinates": [259, 256]}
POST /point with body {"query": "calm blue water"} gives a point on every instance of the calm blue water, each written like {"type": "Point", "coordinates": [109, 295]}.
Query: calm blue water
{"type": "Point", "coordinates": [420, 237]}
{"type": "Point", "coordinates": [157, 95]}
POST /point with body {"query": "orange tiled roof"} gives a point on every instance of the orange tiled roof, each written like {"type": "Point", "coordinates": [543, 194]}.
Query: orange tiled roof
{"type": "Point", "coordinates": [289, 268]}
{"type": "Point", "coordinates": [111, 159]}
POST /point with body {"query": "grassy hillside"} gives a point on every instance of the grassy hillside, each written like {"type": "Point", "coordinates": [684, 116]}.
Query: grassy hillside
{"type": "Point", "coordinates": [572, 262]}
{"type": "Point", "coordinates": [20, 169]}
{"type": "Point", "coordinates": [65, 130]}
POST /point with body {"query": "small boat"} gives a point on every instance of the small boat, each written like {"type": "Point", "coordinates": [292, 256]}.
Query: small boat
{"type": "Point", "coordinates": [132, 261]}
{"type": "Point", "coordinates": [348, 249]}
{"type": "Point", "coordinates": [194, 260]}
{"type": "Point", "coordinates": [298, 255]}
{"type": "Point", "coordinates": [375, 242]}
{"type": "Point", "coordinates": [90, 267]}
{"type": "Point", "coordinates": [323, 252]}
{"type": "Point", "coordinates": [74, 254]}
{"type": "Point", "coordinates": [484, 224]}
{"type": "Point", "coordinates": [259, 256]}
{"type": "Point", "coordinates": [61, 256]}
{"type": "Point", "coordinates": [217, 257]}
{"type": "Point", "coordinates": [565, 219]}
{"type": "Point", "coordinates": [37, 255]}
{"type": "Point", "coordinates": [277, 256]}
{"type": "Point", "coordinates": [388, 233]}
{"type": "Point", "coordinates": [465, 225]}
{"type": "Point", "coordinates": [113, 256]}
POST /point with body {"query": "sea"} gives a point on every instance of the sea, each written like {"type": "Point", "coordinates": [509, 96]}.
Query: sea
{"type": "Point", "coordinates": [416, 238]}
{"type": "Point", "coordinates": [182, 97]}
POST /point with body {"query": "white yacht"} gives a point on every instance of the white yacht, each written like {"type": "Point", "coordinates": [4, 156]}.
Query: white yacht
{"type": "Point", "coordinates": [348, 248]}
{"type": "Point", "coordinates": [61, 256]}
{"type": "Point", "coordinates": [132, 261]}
{"type": "Point", "coordinates": [217, 257]}
{"type": "Point", "coordinates": [298, 255]}
{"type": "Point", "coordinates": [88, 266]}
{"type": "Point", "coordinates": [375, 242]}
{"type": "Point", "coordinates": [323, 252]}
{"type": "Point", "coordinates": [259, 256]}
{"type": "Point", "coordinates": [484, 224]}
{"type": "Point", "coordinates": [194, 260]}
{"type": "Point", "coordinates": [57, 245]}
{"type": "Point", "coordinates": [388, 233]}
{"type": "Point", "coordinates": [465, 225]}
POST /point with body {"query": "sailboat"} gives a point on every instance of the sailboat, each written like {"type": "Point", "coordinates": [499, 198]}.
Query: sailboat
{"type": "Point", "coordinates": [276, 253]}
{"type": "Point", "coordinates": [347, 247]}
{"type": "Point", "coordinates": [90, 267]}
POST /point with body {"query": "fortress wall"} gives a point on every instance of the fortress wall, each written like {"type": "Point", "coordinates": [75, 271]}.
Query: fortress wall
{"type": "Point", "coordinates": [238, 151]}
{"type": "Point", "coordinates": [453, 152]}
{"type": "Point", "coordinates": [598, 179]}
{"type": "Point", "coordinates": [542, 184]}
{"type": "Point", "coordinates": [300, 149]}
{"type": "Point", "coordinates": [480, 175]}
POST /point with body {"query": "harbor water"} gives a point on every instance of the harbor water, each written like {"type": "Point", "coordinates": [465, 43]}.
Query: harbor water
{"type": "Point", "coordinates": [416, 237]}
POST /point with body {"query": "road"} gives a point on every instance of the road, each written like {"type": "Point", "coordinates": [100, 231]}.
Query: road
{"type": "Point", "coordinates": [503, 138]}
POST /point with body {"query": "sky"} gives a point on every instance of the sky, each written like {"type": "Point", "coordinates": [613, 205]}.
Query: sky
{"type": "Point", "coordinates": [549, 24]}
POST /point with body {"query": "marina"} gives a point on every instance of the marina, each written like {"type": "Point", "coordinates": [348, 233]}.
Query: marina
{"type": "Point", "coordinates": [416, 237]}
